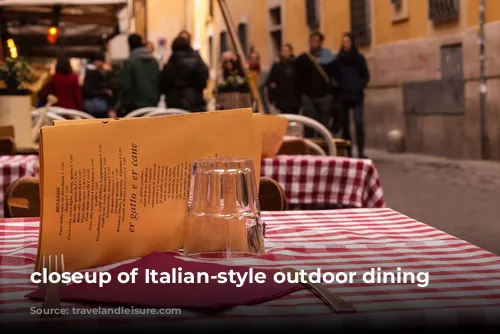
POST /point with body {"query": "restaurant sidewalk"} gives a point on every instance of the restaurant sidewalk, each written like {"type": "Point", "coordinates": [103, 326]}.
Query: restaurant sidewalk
{"type": "Point", "coordinates": [456, 196]}
{"type": "Point", "coordinates": [478, 173]}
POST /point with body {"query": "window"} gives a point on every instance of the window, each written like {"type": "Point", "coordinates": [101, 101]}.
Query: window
{"type": "Point", "coordinates": [400, 12]}
{"type": "Point", "coordinates": [360, 21]}
{"type": "Point", "coordinates": [277, 41]}
{"type": "Point", "coordinates": [312, 16]}
{"type": "Point", "coordinates": [443, 10]}
{"type": "Point", "coordinates": [275, 30]}
{"type": "Point", "coordinates": [275, 16]}
{"type": "Point", "coordinates": [243, 36]}
{"type": "Point", "coordinates": [223, 42]}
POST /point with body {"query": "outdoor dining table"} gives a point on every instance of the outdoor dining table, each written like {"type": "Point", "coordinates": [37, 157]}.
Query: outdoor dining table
{"type": "Point", "coordinates": [310, 182]}
{"type": "Point", "coordinates": [325, 182]}
{"type": "Point", "coordinates": [463, 287]}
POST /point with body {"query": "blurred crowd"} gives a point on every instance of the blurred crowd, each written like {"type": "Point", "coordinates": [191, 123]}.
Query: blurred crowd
{"type": "Point", "coordinates": [319, 84]}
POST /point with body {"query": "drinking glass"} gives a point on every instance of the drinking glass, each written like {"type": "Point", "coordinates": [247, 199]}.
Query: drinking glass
{"type": "Point", "coordinates": [295, 129]}
{"type": "Point", "coordinates": [223, 210]}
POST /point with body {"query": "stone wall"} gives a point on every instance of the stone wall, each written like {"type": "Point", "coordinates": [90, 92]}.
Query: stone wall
{"type": "Point", "coordinates": [453, 136]}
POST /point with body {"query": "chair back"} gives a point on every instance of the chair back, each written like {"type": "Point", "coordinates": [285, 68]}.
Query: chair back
{"type": "Point", "coordinates": [63, 113]}
{"type": "Point", "coordinates": [22, 198]}
{"type": "Point", "coordinates": [294, 147]}
{"type": "Point", "coordinates": [7, 146]}
{"type": "Point", "coordinates": [141, 112]}
{"type": "Point", "coordinates": [318, 127]}
{"type": "Point", "coordinates": [271, 195]}
{"type": "Point", "coordinates": [165, 112]}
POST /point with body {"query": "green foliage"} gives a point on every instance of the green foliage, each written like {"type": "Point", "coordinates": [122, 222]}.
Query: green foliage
{"type": "Point", "coordinates": [15, 72]}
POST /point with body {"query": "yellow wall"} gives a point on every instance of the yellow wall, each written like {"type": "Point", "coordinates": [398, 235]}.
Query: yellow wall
{"type": "Point", "coordinates": [335, 21]}
{"type": "Point", "coordinates": [165, 19]}
{"type": "Point", "coordinates": [414, 27]}
{"type": "Point", "coordinates": [492, 11]}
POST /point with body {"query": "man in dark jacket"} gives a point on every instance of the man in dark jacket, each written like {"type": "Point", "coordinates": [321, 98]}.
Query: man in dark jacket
{"type": "Point", "coordinates": [184, 78]}
{"type": "Point", "coordinates": [140, 77]}
{"type": "Point", "coordinates": [315, 71]}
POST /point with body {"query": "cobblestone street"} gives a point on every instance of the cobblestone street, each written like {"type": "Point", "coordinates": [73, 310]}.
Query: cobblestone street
{"type": "Point", "coordinates": [461, 198]}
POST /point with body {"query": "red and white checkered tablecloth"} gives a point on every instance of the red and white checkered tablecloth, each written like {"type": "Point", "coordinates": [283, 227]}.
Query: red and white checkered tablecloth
{"type": "Point", "coordinates": [326, 180]}
{"type": "Point", "coordinates": [13, 167]}
{"type": "Point", "coordinates": [464, 283]}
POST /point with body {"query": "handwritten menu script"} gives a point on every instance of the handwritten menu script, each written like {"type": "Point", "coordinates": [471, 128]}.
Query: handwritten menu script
{"type": "Point", "coordinates": [117, 189]}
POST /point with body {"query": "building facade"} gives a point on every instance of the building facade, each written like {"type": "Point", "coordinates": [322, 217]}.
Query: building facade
{"type": "Point", "coordinates": [423, 57]}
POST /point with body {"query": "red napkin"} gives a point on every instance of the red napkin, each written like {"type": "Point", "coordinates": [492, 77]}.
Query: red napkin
{"type": "Point", "coordinates": [178, 295]}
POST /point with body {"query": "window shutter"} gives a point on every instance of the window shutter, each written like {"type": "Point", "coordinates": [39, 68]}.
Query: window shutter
{"type": "Point", "coordinates": [223, 42]}
{"type": "Point", "coordinates": [243, 36]}
{"type": "Point", "coordinates": [312, 14]}
{"type": "Point", "coordinates": [360, 21]}
{"type": "Point", "coordinates": [443, 10]}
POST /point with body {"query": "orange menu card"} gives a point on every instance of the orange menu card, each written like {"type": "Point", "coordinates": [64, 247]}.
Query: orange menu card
{"type": "Point", "coordinates": [113, 190]}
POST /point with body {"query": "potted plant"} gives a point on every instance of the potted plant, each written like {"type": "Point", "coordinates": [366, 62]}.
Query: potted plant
{"type": "Point", "coordinates": [15, 73]}
{"type": "Point", "coordinates": [15, 100]}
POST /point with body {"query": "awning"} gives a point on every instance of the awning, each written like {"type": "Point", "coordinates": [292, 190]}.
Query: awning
{"type": "Point", "coordinates": [85, 25]}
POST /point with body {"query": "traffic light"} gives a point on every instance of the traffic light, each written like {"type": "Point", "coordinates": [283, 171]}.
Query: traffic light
{"type": "Point", "coordinates": [52, 34]}
{"type": "Point", "coordinates": [12, 48]}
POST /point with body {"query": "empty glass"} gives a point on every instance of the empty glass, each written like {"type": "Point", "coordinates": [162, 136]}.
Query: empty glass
{"type": "Point", "coordinates": [295, 129]}
{"type": "Point", "coordinates": [223, 210]}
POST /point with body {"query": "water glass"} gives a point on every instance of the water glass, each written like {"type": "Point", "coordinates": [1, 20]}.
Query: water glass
{"type": "Point", "coordinates": [223, 210]}
{"type": "Point", "coordinates": [295, 129]}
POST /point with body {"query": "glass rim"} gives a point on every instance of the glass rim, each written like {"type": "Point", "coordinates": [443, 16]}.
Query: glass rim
{"type": "Point", "coordinates": [216, 160]}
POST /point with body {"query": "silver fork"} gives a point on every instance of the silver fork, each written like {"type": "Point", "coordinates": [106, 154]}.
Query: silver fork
{"type": "Point", "coordinates": [51, 300]}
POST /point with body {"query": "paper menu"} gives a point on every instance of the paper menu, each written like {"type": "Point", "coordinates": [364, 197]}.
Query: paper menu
{"type": "Point", "coordinates": [117, 189]}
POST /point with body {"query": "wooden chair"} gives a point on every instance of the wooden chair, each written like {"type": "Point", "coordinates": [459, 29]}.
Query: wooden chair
{"type": "Point", "coordinates": [294, 147]}
{"type": "Point", "coordinates": [271, 195]}
{"type": "Point", "coordinates": [341, 145]}
{"type": "Point", "coordinates": [7, 146]}
{"type": "Point", "coordinates": [22, 198]}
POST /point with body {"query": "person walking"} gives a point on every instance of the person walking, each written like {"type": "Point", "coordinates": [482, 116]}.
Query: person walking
{"type": "Point", "coordinates": [316, 72]}
{"type": "Point", "coordinates": [354, 79]}
{"type": "Point", "coordinates": [65, 86]}
{"type": "Point", "coordinates": [96, 97]}
{"type": "Point", "coordinates": [282, 83]}
{"type": "Point", "coordinates": [141, 74]}
{"type": "Point", "coordinates": [184, 78]}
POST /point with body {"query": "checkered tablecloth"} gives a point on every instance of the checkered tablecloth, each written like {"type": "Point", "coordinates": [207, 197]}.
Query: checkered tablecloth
{"type": "Point", "coordinates": [14, 167]}
{"type": "Point", "coordinates": [326, 181]}
{"type": "Point", "coordinates": [464, 283]}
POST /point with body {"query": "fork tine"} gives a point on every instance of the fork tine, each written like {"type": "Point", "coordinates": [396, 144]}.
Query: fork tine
{"type": "Point", "coordinates": [51, 299]}
{"type": "Point", "coordinates": [62, 263]}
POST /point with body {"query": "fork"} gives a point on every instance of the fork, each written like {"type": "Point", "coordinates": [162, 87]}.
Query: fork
{"type": "Point", "coordinates": [51, 300]}
{"type": "Point", "coordinates": [336, 303]}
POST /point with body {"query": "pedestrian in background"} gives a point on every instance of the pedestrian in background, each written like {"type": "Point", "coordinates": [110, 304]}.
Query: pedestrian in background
{"type": "Point", "coordinates": [141, 74]}
{"type": "Point", "coordinates": [354, 79]}
{"type": "Point", "coordinates": [96, 96]}
{"type": "Point", "coordinates": [282, 85]}
{"type": "Point", "coordinates": [259, 78]}
{"type": "Point", "coordinates": [315, 70]}
{"type": "Point", "coordinates": [65, 86]}
{"type": "Point", "coordinates": [184, 78]}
